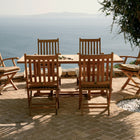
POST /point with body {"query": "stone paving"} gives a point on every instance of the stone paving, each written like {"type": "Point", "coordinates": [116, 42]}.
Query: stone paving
{"type": "Point", "coordinates": [69, 124]}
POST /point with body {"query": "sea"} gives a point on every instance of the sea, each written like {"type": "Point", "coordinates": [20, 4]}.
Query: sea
{"type": "Point", "coordinates": [19, 34]}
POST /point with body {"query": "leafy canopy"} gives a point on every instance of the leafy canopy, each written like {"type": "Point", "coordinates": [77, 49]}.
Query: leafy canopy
{"type": "Point", "coordinates": [126, 13]}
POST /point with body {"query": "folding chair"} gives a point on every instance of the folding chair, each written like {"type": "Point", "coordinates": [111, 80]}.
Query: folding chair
{"type": "Point", "coordinates": [42, 74]}
{"type": "Point", "coordinates": [126, 57]}
{"type": "Point", "coordinates": [131, 71]}
{"type": "Point", "coordinates": [8, 72]}
{"type": "Point", "coordinates": [95, 73]}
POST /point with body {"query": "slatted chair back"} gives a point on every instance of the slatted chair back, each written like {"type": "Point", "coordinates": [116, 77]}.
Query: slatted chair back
{"type": "Point", "coordinates": [90, 46]}
{"type": "Point", "coordinates": [48, 47]}
{"type": "Point", "coordinates": [41, 70]}
{"type": "Point", "coordinates": [96, 68]}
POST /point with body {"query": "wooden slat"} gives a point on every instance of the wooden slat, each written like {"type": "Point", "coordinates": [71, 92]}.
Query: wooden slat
{"type": "Point", "coordinates": [85, 47]}
{"type": "Point", "coordinates": [40, 48]}
{"type": "Point", "coordinates": [82, 47]}
{"type": "Point", "coordinates": [30, 72]}
{"type": "Point", "coordinates": [48, 66]}
{"type": "Point", "coordinates": [39, 69]}
{"type": "Point", "coordinates": [94, 47]}
{"type": "Point", "coordinates": [102, 70]}
{"type": "Point", "coordinates": [84, 70]}
{"type": "Point", "coordinates": [44, 52]}
{"type": "Point", "coordinates": [91, 47]}
{"type": "Point", "coordinates": [88, 70]}
{"type": "Point", "coordinates": [44, 73]}
{"type": "Point", "coordinates": [35, 71]}
{"type": "Point", "coordinates": [57, 46]}
{"type": "Point", "coordinates": [53, 71]}
{"type": "Point", "coordinates": [49, 48]}
{"type": "Point", "coordinates": [93, 70]}
{"type": "Point", "coordinates": [97, 48]}
{"type": "Point", "coordinates": [107, 68]}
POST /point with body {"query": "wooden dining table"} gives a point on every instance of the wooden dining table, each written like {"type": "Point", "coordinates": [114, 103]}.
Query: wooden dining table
{"type": "Point", "coordinates": [73, 59]}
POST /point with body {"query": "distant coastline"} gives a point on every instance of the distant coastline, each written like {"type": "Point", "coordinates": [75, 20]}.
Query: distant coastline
{"type": "Point", "coordinates": [19, 34]}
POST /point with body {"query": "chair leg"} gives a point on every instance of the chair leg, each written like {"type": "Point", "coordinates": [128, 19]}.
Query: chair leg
{"type": "Point", "coordinates": [138, 91]}
{"type": "Point", "coordinates": [28, 97]}
{"type": "Point", "coordinates": [57, 101]}
{"type": "Point", "coordinates": [125, 84]}
{"type": "Point", "coordinates": [82, 105]}
{"type": "Point", "coordinates": [11, 81]}
{"type": "Point", "coordinates": [89, 95]}
{"type": "Point", "coordinates": [80, 98]}
{"type": "Point", "coordinates": [15, 87]}
{"type": "Point", "coordinates": [108, 101]}
{"type": "Point", "coordinates": [60, 81]}
{"type": "Point", "coordinates": [29, 94]}
{"type": "Point", "coordinates": [51, 93]}
{"type": "Point", "coordinates": [77, 81]}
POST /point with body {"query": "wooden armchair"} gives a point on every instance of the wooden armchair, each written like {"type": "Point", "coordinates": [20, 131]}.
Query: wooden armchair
{"type": "Point", "coordinates": [131, 71]}
{"type": "Point", "coordinates": [42, 74]}
{"type": "Point", "coordinates": [137, 61]}
{"type": "Point", "coordinates": [88, 47]}
{"type": "Point", "coordinates": [95, 74]}
{"type": "Point", "coordinates": [8, 72]}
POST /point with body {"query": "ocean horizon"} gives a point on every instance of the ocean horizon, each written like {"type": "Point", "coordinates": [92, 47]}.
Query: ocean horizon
{"type": "Point", "coordinates": [19, 34]}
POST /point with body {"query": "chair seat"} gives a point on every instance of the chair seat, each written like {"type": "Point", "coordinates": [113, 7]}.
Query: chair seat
{"type": "Point", "coordinates": [94, 85]}
{"type": "Point", "coordinates": [8, 69]}
{"type": "Point", "coordinates": [43, 86]}
{"type": "Point", "coordinates": [130, 67]}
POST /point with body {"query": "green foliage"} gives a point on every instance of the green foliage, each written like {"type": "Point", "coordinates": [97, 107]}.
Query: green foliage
{"type": "Point", "coordinates": [133, 62]}
{"type": "Point", "coordinates": [126, 14]}
{"type": "Point", "coordinates": [116, 66]}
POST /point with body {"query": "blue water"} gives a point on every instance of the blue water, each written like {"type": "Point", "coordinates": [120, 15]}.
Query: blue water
{"type": "Point", "coordinates": [18, 35]}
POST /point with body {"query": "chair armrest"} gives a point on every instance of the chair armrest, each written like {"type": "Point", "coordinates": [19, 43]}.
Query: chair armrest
{"type": "Point", "coordinates": [126, 57]}
{"type": "Point", "coordinates": [13, 60]}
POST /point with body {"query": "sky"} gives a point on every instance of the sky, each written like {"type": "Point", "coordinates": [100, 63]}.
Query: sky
{"type": "Point", "coordinates": [34, 7]}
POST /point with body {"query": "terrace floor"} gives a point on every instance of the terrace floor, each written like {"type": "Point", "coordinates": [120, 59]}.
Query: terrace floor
{"type": "Point", "coordinates": [69, 124]}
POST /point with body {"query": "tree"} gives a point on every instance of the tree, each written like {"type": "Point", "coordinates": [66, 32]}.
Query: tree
{"type": "Point", "coordinates": [126, 14]}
